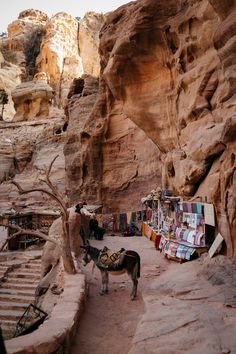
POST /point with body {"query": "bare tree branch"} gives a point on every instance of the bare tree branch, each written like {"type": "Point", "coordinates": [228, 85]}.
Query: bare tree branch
{"type": "Point", "coordinates": [54, 194]}
{"type": "Point", "coordinates": [25, 191]}
{"type": "Point", "coordinates": [50, 166]}
{"type": "Point", "coordinates": [36, 233]}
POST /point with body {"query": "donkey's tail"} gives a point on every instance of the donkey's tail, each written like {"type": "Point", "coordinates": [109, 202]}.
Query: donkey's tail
{"type": "Point", "coordinates": [139, 268]}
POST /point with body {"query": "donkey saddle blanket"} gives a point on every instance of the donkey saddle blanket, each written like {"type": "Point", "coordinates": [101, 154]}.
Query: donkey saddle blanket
{"type": "Point", "coordinates": [109, 257]}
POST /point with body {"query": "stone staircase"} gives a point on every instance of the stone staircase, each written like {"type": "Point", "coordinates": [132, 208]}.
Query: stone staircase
{"type": "Point", "coordinates": [17, 291]}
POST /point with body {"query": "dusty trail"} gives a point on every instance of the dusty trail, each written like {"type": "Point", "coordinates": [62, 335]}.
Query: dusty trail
{"type": "Point", "coordinates": [109, 322]}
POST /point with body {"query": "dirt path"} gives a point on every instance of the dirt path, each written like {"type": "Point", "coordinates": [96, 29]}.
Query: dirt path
{"type": "Point", "coordinates": [109, 322]}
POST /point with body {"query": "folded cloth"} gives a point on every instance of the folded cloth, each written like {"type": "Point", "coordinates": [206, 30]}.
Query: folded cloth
{"type": "Point", "coordinates": [185, 235]}
{"type": "Point", "coordinates": [191, 237]}
{"type": "Point", "coordinates": [189, 252]}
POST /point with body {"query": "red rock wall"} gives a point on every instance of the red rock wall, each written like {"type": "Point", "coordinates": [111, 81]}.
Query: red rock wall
{"type": "Point", "coordinates": [169, 68]}
{"type": "Point", "coordinates": [109, 160]}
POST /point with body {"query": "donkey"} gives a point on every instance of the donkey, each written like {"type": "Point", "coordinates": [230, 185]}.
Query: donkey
{"type": "Point", "coordinates": [129, 262]}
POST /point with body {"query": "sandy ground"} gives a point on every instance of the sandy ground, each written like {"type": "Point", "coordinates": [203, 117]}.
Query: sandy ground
{"type": "Point", "coordinates": [187, 308]}
{"type": "Point", "coordinates": [109, 322]}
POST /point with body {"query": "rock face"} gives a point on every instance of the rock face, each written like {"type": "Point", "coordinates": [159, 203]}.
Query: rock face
{"type": "Point", "coordinates": [26, 148]}
{"type": "Point", "coordinates": [169, 68]}
{"type": "Point", "coordinates": [171, 65]}
{"type": "Point", "coordinates": [110, 161]}
{"type": "Point", "coordinates": [10, 77]}
{"type": "Point", "coordinates": [37, 132]}
{"type": "Point", "coordinates": [20, 50]}
{"type": "Point", "coordinates": [89, 29]}
{"type": "Point", "coordinates": [24, 38]}
{"type": "Point", "coordinates": [32, 100]}
{"type": "Point", "coordinates": [59, 56]}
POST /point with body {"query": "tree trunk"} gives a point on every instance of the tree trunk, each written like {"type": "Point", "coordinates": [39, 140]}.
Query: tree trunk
{"type": "Point", "coordinates": [67, 258]}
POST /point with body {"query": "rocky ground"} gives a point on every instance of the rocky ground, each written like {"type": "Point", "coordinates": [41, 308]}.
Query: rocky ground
{"type": "Point", "coordinates": [180, 308]}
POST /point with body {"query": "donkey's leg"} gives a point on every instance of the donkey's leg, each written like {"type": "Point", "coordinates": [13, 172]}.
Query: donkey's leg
{"type": "Point", "coordinates": [134, 279]}
{"type": "Point", "coordinates": [104, 287]}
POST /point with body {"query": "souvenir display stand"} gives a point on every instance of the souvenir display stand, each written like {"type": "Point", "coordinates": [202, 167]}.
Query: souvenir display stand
{"type": "Point", "coordinates": [180, 230]}
{"type": "Point", "coordinates": [191, 232]}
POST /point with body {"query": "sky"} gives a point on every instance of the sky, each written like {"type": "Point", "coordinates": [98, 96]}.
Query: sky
{"type": "Point", "coordinates": [10, 9]}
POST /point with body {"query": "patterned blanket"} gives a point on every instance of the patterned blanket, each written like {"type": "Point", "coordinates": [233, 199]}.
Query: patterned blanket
{"type": "Point", "coordinates": [110, 257]}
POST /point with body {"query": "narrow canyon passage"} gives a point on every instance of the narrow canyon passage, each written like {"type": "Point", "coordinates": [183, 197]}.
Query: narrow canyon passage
{"type": "Point", "coordinates": [109, 322]}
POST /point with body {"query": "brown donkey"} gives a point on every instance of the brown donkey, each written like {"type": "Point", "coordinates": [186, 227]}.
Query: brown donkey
{"type": "Point", "coordinates": [128, 261]}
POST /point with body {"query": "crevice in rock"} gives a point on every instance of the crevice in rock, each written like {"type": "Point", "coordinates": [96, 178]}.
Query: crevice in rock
{"type": "Point", "coordinates": [31, 51]}
{"type": "Point", "coordinates": [208, 164]}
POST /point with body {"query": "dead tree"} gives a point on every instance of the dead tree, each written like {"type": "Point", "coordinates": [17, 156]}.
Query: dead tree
{"type": "Point", "coordinates": [64, 244]}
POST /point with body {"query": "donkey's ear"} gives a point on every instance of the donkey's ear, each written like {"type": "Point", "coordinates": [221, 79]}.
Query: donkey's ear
{"type": "Point", "coordinates": [87, 242]}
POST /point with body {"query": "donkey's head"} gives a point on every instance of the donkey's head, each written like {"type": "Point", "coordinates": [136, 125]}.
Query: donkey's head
{"type": "Point", "coordinates": [87, 256]}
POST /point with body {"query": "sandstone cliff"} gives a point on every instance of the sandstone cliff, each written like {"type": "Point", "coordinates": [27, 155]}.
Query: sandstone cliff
{"type": "Point", "coordinates": [163, 107]}
{"type": "Point", "coordinates": [37, 132]}
{"type": "Point", "coordinates": [23, 42]}
{"type": "Point", "coordinates": [169, 68]}
{"type": "Point", "coordinates": [59, 55]}
{"type": "Point", "coordinates": [26, 149]}
{"type": "Point", "coordinates": [89, 29]}
{"type": "Point", "coordinates": [10, 77]}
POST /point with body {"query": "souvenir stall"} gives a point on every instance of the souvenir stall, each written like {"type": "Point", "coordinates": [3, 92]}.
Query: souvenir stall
{"type": "Point", "coordinates": [190, 233]}
{"type": "Point", "coordinates": [180, 230]}
{"type": "Point", "coordinates": [151, 226]}
{"type": "Point", "coordinates": [43, 220]}
{"type": "Point", "coordinates": [127, 223]}
{"type": "Point", "coordinates": [27, 220]}
{"type": "Point", "coordinates": [24, 220]}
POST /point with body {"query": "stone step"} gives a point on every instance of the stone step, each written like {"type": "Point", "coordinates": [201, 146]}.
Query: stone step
{"type": "Point", "coordinates": [12, 306]}
{"type": "Point", "coordinates": [30, 269]}
{"type": "Point", "coordinates": [35, 261]}
{"type": "Point", "coordinates": [24, 299]}
{"type": "Point", "coordinates": [21, 281]}
{"type": "Point", "coordinates": [10, 315]}
{"type": "Point", "coordinates": [3, 267]}
{"type": "Point", "coordinates": [15, 286]}
{"type": "Point", "coordinates": [6, 324]}
{"type": "Point", "coordinates": [21, 274]}
{"type": "Point", "coordinates": [24, 292]}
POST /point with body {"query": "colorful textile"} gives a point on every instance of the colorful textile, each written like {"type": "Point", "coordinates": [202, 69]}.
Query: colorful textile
{"type": "Point", "coordinates": [185, 235]}
{"type": "Point", "coordinates": [189, 252]}
{"type": "Point", "coordinates": [128, 217]}
{"type": "Point", "coordinates": [139, 215]}
{"type": "Point", "coordinates": [191, 237]}
{"type": "Point", "coordinates": [149, 214]}
{"type": "Point", "coordinates": [199, 239]}
{"type": "Point", "coordinates": [177, 233]}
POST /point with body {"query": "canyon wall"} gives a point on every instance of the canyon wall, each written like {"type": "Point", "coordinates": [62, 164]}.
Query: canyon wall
{"type": "Point", "coordinates": [161, 112]}
{"type": "Point", "coordinates": [169, 68]}
{"type": "Point", "coordinates": [89, 29]}
{"type": "Point", "coordinates": [109, 160]}
{"type": "Point", "coordinates": [39, 59]}
{"type": "Point", "coordinates": [59, 54]}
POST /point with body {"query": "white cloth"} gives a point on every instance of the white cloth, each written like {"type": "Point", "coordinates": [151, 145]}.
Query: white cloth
{"type": "Point", "coordinates": [85, 212]}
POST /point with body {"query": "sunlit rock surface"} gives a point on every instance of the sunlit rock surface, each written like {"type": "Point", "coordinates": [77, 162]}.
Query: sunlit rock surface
{"type": "Point", "coordinates": [59, 54]}
{"type": "Point", "coordinates": [89, 29]}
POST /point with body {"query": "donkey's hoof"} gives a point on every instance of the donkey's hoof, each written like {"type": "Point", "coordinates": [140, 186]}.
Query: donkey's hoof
{"type": "Point", "coordinates": [101, 293]}
{"type": "Point", "coordinates": [106, 291]}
